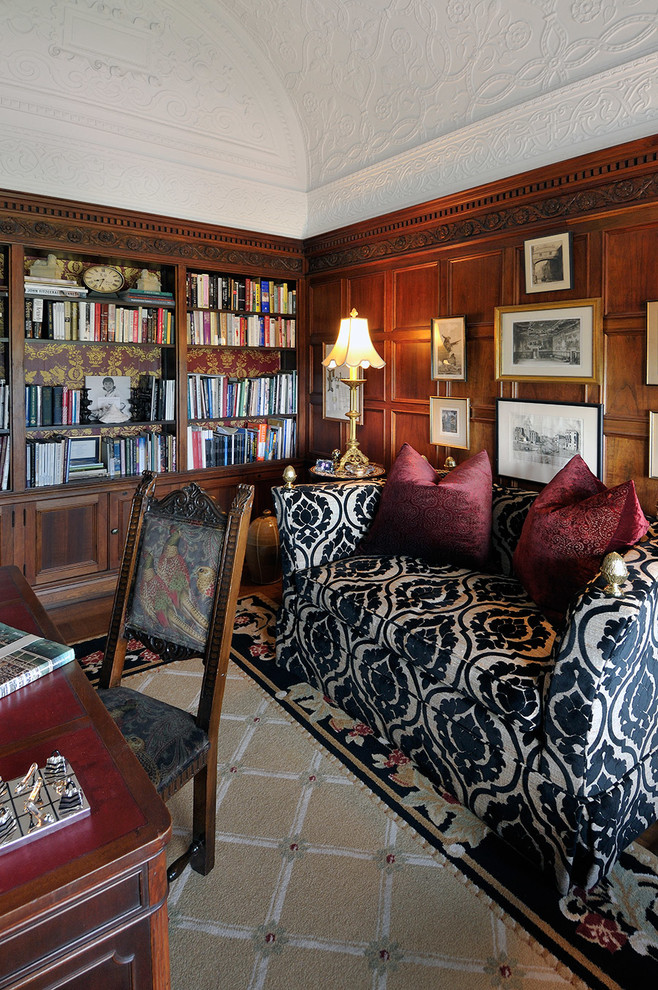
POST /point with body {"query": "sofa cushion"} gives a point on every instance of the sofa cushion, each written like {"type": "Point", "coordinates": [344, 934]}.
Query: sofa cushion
{"type": "Point", "coordinates": [574, 521]}
{"type": "Point", "coordinates": [478, 633]}
{"type": "Point", "coordinates": [440, 520]}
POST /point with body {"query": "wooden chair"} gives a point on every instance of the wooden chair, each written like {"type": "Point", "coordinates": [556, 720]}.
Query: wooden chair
{"type": "Point", "coordinates": [177, 593]}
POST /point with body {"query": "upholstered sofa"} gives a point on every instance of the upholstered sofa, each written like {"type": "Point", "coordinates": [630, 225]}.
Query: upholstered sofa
{"type": "Point", "coordinates": [547, 731]}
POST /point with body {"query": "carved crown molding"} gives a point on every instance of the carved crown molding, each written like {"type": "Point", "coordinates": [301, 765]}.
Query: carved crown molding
{"type": "Point", "coordinates": [460, 219]}
{"type": "Point", "coordinates": [67, 225]}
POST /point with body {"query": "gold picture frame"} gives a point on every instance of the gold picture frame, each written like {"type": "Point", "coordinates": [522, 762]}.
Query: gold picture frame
{"type": "Point", "coordinates": [549, 342]}
{"type": "Point", "coordinates": [448, 343]}
{"type": "Point", "coordinates": [652, 343]}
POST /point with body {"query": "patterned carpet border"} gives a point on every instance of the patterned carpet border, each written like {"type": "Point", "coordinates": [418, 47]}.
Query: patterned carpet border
{"type": "Point", "coordinates": [608, 939]}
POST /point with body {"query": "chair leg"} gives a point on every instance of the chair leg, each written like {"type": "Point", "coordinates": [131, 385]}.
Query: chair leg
{"type": "Point", "coordinates": [201, 851]}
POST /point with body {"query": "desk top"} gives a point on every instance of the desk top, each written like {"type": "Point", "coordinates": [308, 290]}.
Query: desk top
{"type": "Point", "coordinates": [128, 820]}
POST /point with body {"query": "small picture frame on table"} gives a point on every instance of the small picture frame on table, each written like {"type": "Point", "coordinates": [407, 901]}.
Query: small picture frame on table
{"type": "Point", "coordinates": [550, 342]}
{"type": "Point", "coordinates": [449, 422]}
{"type": "Point", "coordinates": [536, 439]}
{"type": "Point", "coordinates": [548, 263]}
{"type": "Point", "coordinates": [448, 343]}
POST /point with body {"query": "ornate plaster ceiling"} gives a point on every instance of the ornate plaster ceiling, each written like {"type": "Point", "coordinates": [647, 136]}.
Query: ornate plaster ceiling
{"type": "Point", "coordinates": [299, 116]}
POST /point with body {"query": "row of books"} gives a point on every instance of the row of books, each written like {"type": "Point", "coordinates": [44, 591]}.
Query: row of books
{"type": "Point", "coordinates": [52, 405]}
{"type": "Point", "coordinates": [266, 441]}
{"type": "Point", "coordinates": [83, 319]}
{"type": "Point", "coordinates": [124, 456]}
{"type": "Point", "coordinates": [50, 462]}
{"type": "Point", "coordinates": [251, 295]}
{"type": "Point", "coordinates": [227, 397]}
{"type": "Point", "coordinates": [232, 330]}
{"type": "Point", "coordinates": [5, 399]}
{"type": "Point", "coordinates": [5, 445]}
{"type": "Point", "coordinates": [154, 399]}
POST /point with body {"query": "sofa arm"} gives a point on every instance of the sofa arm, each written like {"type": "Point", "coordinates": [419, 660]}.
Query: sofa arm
{"type": "Point", "coordinates": [323, 522]}
{"type": "Point", "coordinates": [601, 695]}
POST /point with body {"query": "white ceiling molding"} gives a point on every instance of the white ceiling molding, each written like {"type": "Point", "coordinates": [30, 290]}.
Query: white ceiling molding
{"type": "Point", "coordinates": [576, 120]}
{"type": "Point", "coordinates": [295, 117]}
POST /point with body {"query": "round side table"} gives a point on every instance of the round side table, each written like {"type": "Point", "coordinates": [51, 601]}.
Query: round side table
{"type": "Point", "coordinates": [375, 471]}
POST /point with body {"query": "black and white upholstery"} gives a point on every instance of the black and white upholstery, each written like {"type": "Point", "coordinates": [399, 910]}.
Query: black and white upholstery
{"type": "Point", "coordinates": [548, 734]}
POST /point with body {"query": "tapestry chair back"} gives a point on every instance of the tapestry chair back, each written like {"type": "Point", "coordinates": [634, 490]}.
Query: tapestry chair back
{"type": "Point", "coordinates": [177, 593]}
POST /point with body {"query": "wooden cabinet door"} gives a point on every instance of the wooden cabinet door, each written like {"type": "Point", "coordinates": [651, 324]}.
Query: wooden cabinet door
{"type": "Point", "coordinates": [11, 535]}
{"type": "Point", "coordinates": [120, 503]}
{"type": "Point", "coordinates": [66, 537]}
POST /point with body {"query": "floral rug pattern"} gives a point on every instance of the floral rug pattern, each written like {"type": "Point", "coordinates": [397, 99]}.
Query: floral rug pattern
{"type": "Point", "coordinates": [608, 936]}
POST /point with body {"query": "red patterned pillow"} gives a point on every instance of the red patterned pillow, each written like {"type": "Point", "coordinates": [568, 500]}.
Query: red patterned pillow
{"type": "Point", "coordinates": [572, 524]}
{"type": "Point", "coordinates": [442, 521]}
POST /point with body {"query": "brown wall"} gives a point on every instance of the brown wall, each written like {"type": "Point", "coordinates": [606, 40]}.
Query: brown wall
{"type": "Point", "coordinates": [464, 256]}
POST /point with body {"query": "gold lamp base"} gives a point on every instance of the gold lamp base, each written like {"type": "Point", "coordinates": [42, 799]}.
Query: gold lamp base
{"type": "Point", "coordinates": [353, 461]}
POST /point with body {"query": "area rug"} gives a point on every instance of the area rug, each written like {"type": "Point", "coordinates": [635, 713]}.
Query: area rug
{"type": "Point", "coordinates": [607, 938]}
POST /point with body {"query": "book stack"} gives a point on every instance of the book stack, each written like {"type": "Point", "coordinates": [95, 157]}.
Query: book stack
{"type": "Point", "coordinates": [25, 658]}
{"type": "Point", "coordinates": [53, 287]}
{"type": "Point", "coordinates": [224, 445]}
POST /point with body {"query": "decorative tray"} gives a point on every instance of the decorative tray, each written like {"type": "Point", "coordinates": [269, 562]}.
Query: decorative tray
{"type": "Point", "coordinates": [40, 802]}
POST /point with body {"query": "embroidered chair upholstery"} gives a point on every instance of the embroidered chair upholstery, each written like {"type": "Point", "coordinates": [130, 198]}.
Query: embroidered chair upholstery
{"type": "Point", "coordinates": [177, 593]}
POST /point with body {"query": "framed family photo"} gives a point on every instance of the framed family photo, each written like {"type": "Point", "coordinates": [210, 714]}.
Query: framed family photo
{"type": "Point", "coordinates": [548, 263]}
{"type": "Point", "coordinates": [335, 395]}
{"type": "Point", "coordinates": [448, 340]}
{"type": "Point", "coordinates": [550, 342]}
{"type": "Point", "coordinates": [109, 398]}
{"type": "Point", "coordinates": [449, 422]}
{"type": "Point", "coordinates": [536, 439]}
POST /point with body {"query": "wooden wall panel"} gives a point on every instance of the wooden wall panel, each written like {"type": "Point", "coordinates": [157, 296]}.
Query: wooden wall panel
{"type": "Point", "coordinates": [465, 255]}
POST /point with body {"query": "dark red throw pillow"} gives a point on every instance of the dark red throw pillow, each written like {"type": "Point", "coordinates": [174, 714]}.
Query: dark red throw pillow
{"type": "Point", "coordinates": [572, 524]}
{"type": "Point", "coordinates": [442, 521]}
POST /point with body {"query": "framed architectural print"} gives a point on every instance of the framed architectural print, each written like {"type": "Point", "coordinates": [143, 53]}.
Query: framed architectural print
{"type": "Point", "coordinates": [449, 421]}
{"type": "Point", "coordinates": [449, 348]}
{"type": "Point", "coordinates": [652, 343]}
{"type": "Point", "coordinates": [536, 439]}
{"type": "Point", "coordinates": [552, 342]}
{"type": "Point", "coordinates": [335, 395]}
{"type": "Point", "coordinates": [653, 445]}
{"type": "Point", "coordinates": [548, 263]}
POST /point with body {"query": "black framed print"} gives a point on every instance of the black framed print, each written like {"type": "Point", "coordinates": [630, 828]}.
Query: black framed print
{"type": "Point", "coordinates": [536, 439]}
{"type": "Point", "coordinates": [548, 263]}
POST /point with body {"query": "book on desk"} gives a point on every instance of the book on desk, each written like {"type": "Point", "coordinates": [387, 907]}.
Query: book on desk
{"type": "Point", "coordinates": [25, 657]}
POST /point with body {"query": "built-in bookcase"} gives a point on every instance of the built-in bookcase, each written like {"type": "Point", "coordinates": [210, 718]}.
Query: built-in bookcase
{"type": "Point", "coordinates": [242, 388]}
{"type": "Point", "coordinates": [5, 374]}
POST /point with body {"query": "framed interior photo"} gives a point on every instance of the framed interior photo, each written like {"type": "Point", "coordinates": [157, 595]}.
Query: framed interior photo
{"type": "Point", "coordinates": [652, 343]}
{"type": "Point", "coordinates": [551, 342]}
{"type": "Point", "coordinates": [109, 398]}
{"type": "Point", "coordinates": [536, 439]}
{"type": "Point", "coordinates": [449, 421]}
{"type": "Point", "coordinates": [653, 445]}
{"type": "Point", "coordinates": [448, 338]}
{"type": "Point", "coordinates": [335, 395]}
{"type": "Point", "coordinates": [548, 263]}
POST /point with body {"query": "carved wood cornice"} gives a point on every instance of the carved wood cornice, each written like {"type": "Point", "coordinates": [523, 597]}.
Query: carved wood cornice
{"type": "Point", "coordinates": [73, 227]}
{"type": "Point", "coordinates": [561, 195]}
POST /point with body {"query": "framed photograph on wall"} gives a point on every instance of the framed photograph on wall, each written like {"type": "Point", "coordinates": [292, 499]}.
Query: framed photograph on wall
{"type": "Point", "coordinates": [448, 338]}
{"type": "Point", "coordinates": [548, 263]}
{"type": "Point", "coordinates": [653, 445]}
{"type": "Point", "coordinates": [335, 395]}
{"type": "Point", "coordinates": [535, 439]}
{"type": "Point", "coordinates": [551, 342]}
{"type": "Point", "coordinates": [449, 421]}
{"type": "Point", "coordinates": [652, 343]}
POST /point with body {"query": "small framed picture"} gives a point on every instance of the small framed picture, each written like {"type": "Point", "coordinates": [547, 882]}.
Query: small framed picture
{"type": "Point", "coordinates": [550, 342]}
{"type": "Point", "coordinates": [652, 343]}
{"type": "Point", "coordinates": [536, 439]}
{"type": "Point", "coordinates": [336, 395]}
{"type": "Point", "coordinates": [84, 451]}
{"type": "Point", "coordinates": [109, 398]}
{"type": "Point", "coordinates": [448, 338]}
{"type": "Point", "coordinates": [548, 263]}
{"type": "Point", "coordinates": [653, 445]}
{"type": "Point", "coordinates": [449, 421]}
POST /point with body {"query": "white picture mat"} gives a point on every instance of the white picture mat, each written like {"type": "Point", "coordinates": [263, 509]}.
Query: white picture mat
{"type": "Point", "coordinates": [652, 343]}
{"type": "Point", "coordinates": [548, 263]}
{"type": "Point", "coordinates": [449, 422]}
{"type": "Point", "coordinates": [540, 461]}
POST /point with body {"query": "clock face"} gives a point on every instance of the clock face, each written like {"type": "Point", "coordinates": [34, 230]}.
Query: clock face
{"type": "Point", "coordinates": [103, 278]}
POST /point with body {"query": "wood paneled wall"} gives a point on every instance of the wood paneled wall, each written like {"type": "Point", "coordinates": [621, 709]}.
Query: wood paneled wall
{"type": "Point", "coordinates": [464, 255]}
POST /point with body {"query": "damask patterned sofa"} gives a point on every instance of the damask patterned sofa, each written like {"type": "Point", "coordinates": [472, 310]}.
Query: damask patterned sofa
{"type": "Point", "coordinates": [549, 734]}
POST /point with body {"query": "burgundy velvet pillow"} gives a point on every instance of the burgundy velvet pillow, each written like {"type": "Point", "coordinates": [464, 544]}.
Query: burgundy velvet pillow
{"type": "Point", "coordinates": [442, 521]}
{"type": "Point", "coordinates": [572, 524]}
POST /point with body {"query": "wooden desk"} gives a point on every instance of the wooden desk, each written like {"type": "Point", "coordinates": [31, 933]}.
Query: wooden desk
{"type": "Point", "coordinates": [86, 906]}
